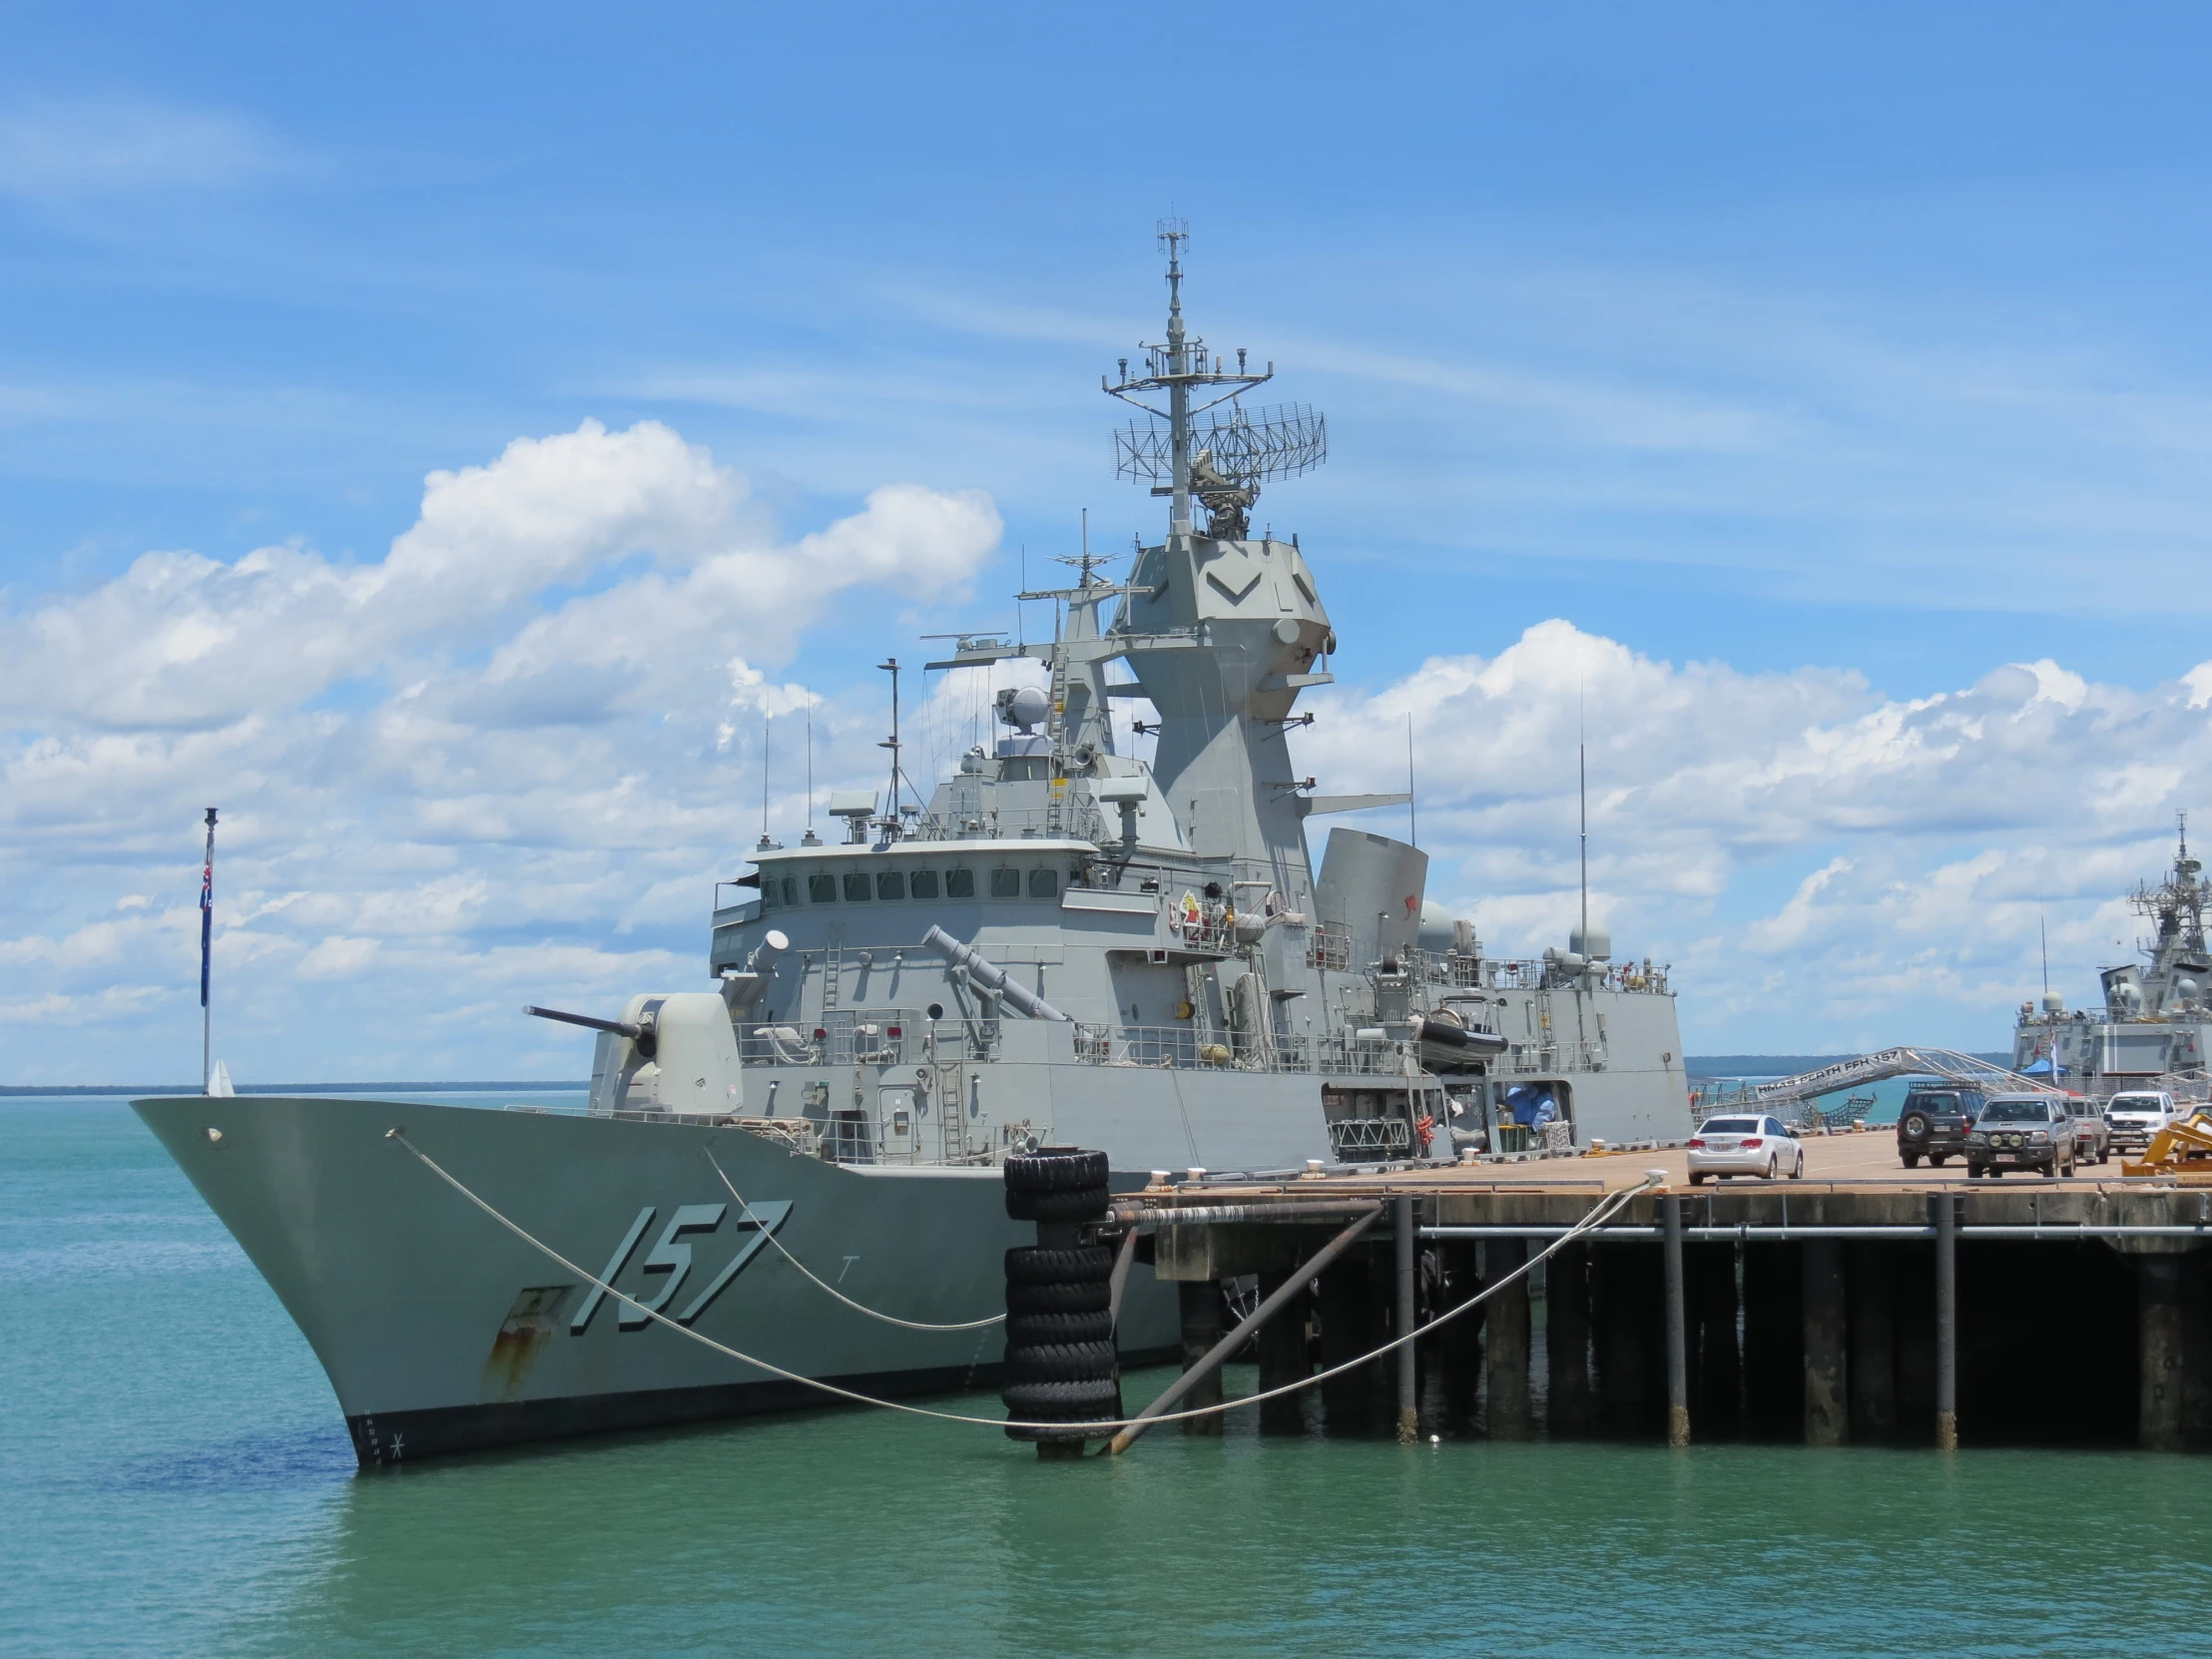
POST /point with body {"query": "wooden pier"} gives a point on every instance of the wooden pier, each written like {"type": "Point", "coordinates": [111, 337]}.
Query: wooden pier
{"type": "Point", "coordinates": [1860, 1303]}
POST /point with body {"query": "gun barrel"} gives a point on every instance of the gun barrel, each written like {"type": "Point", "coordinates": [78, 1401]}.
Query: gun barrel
{"type": "Point", "coordinates": [620, 1027]}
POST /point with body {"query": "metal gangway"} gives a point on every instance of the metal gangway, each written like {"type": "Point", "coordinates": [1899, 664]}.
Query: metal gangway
{"type": "Point", "coordinates": [1946, 1063]}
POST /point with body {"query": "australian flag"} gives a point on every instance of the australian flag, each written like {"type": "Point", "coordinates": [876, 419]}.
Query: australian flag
{"type": "Point", "coordinates": [206, 916]}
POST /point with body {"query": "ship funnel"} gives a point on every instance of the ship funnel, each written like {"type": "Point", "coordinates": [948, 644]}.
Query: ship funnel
{"type": "Point", "coordinates": [1370, 886]}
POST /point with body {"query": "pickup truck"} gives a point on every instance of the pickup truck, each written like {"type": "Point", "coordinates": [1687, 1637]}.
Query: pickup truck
{"type": "Point", "coordinates": [2022, 1131]}
{"type": "Point", "coordinates": [2138, 1114]}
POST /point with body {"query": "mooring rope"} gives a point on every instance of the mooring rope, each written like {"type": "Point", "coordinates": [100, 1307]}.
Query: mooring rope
{"type": "Point", "coordinates": [822, 1284]}
{"type": "Point", "coordinates": [1604, 1211]}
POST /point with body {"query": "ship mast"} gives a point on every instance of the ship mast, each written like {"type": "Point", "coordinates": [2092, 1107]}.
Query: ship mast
{"type": "Point", "coordinates": [1177, 367]}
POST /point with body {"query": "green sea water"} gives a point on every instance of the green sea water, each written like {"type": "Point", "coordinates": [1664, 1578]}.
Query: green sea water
{"type": "Point", "coordinates": [174, 1480]}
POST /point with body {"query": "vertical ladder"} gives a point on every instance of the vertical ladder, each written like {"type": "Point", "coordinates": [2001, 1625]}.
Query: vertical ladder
{"type": "Point", "coordinates": [1057, 785]}
{"type": "Point", "coordinates": [953, 1106]}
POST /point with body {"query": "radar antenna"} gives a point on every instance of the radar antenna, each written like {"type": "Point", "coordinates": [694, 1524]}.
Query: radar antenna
{"type": "Point", "coordinates": [1221, 459]}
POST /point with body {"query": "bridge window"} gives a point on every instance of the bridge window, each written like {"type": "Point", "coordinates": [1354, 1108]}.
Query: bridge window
{"type": "Point", "coordinates": [790, 890]}
{"type": "Point", "coordinates": [923, 883]}
{"type": "Point", "coordinates": [1044, 883]}
{"type": "Point", "coordinates": [855, 888]}
{"type": "Point", "coordinates": [960, 884]}
{"type": "Point", "coordinates": [822, 890]}
{"type": "Point", "coordinates": [1005, 884]}
{"type": "Point", "coordinates": [891, 883]}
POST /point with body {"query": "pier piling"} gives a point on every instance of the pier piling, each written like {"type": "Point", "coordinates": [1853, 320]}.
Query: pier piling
{"type": "Point", "coordinates": [1567, 1340]}
{"type": "Point", "coordinates": [1460, 1349]}
{"type": "Point", "coordinates": [2158, 1301]}
{"type": "Point", "coordinates": [1678, 1321]}
{"type": "Point", "coordinates": [1827, 1406]}
{"type": "Point", "coordinates": [1869, 1292]}
{"type": "Point", "coordinates": [1283, 1357]}
{"type": "Point", "coordinates": [1717, 1369]}
{"type": "Point", "coordinates": [1508, 1328]}
{"type": "Point", "coordinates": [1201, 1311]}
{"type": "Point", "coordinates": [1616, 1330]}
{"type": "Point", "coordinates": [1947, 1320]}
{"type": "Point", "coordinates": [1405, 1364]}
{"type": "Point", "coordinates": [1345, 1400]}
{"type": "Point", "coordinates": [1856, 1310]}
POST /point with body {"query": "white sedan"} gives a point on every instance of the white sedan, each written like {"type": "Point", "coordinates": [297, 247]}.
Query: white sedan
{"type": "Point", "coordinates": [1727, 1146]}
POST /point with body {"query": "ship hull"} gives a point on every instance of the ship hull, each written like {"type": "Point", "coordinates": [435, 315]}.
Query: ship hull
{"type": "Point", "coordinates": [441, 1331]}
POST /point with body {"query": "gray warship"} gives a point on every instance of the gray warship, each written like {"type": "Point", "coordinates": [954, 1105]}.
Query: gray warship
{"type": "Point", "coordinates": [1065, 944]}
{"type": "Point", "coordinates": [2154, 1030]}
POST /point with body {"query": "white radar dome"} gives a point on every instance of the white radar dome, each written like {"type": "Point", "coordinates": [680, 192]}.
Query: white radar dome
{"type": "Point", "coordinates": [1596, 946]}
{"type": "Point", "coordinates": [1435, 935]}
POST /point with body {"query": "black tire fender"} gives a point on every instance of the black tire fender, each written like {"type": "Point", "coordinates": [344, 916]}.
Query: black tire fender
{"type": "Point", "coordinates": [1061, 1363]}
{"type": "Point", "coordinates": [1042, 1330]}
{"type": "Point", "coordinates": [1063, 1401]}
{"type": "Point", "coordinates": [1054, 1169]}
{"type": "Point", "coordinates": [1089, 1296]}
{"type": "Point", "coordinates": [1077, 1203]}
{"type": "Point", "coordinates": [1047, 1265]}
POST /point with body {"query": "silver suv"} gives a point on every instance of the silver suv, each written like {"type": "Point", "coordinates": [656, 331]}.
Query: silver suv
{"type": "Point", "coordinates": [2022, 1131]}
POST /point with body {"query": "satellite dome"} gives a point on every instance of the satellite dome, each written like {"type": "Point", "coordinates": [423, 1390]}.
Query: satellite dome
{"type": "Point", "coordinates": [1597, 946]}
{"type": "Point", "coordinates": [1024, 708]}
{"type": "Point", "coordinates": [1435, 935]}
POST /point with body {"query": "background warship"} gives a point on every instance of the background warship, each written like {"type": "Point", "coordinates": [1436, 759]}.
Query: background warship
{"type": "Point", "coordinates": [1065, 944]}
{"type": "Point", "coordinates": [2154, 1029]}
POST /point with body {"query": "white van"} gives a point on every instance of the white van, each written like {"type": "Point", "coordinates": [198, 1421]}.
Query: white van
{"type": "Point", "coordinates": [2138, 1114]}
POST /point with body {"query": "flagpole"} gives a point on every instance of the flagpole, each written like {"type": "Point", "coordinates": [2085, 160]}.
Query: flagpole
{"type": "Point", "coordinates": [207, 940]}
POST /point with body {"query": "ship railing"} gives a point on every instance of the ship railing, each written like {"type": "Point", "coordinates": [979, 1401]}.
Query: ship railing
{"type": "Point", "coordinates": [1368, 1139]}
{"type": "Point", "coordinates": [1329, 948]}
{"type": "Point", "coordinates": [1511, 975]}
{"type": "Point", "coordinates": [1078, 821]}
{"type": "Point", "coordinates": [837, 1037]}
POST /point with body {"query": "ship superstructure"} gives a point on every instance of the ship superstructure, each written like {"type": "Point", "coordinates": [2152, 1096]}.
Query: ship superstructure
{"type": "Point", "coordinates": [1067, 941]}
{"type": "Point", "coordinates": [1200, 995]}
{"type": "Point", "coordinates": [2155, 1027]}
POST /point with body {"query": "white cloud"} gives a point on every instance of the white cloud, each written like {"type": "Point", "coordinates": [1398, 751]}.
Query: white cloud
{"type": "Point", "coordinates": [548, 747]}
{"type": "Point", "coordinates": [59, 150]}
{"type": "Point", "coordinates": [1963, 818]}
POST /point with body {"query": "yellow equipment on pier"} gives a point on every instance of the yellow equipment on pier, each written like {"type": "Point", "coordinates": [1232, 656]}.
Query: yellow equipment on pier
{"type": "Point", "coordinates": [2184, 1150]}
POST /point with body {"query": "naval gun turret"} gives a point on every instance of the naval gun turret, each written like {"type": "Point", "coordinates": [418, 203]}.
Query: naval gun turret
{"type": "Point", "coordinates": [676, 1053]}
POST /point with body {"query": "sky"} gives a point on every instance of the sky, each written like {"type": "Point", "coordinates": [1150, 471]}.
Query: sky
{"type": "Point", "coordinates": [453, 441]}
